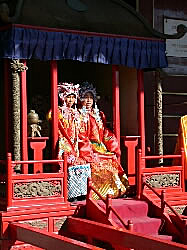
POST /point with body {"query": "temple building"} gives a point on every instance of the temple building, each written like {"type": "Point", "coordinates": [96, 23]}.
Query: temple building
{"type": "Point", "coordinates": [119, 47]}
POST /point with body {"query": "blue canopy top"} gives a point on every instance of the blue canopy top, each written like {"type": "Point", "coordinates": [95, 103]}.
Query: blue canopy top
{"type": "Point", "coordinates": [29, 42]}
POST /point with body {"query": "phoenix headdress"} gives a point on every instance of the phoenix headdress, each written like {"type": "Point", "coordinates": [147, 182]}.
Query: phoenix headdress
{"type": "Point", "coordinates": [65, 89]}
{"type": "Point", "coordinates": [85, 88]}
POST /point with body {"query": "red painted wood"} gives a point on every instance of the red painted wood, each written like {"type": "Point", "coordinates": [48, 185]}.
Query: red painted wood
{"type": "Point", "coordinates": [4, 231]}
{"type": "Point", "coordinates": [89, 189]}
{"type": "Point", "coordinates": [65, 183]}
{"type": "Point", "coordinates": [20, 245]}
{"type": "Point", "coordinates": [38, 144]}
{"type": "Point", "coordinates": [96, 213]}
{"type": "Point", "coordinates": [45, 240]}
{"type": "Point", "coordinates": [38, 176]}
{"type": "Point", "coordinates": [32, 161]}
{"type": "Point", "coordinates": [140, 167]}
{"type": "Point", "coordinates": [163, 202]}
{"type": "Point", "coordinates": [130, 225]}
{"type": "Point", "coordinates": [50, 225]}
{"type": "Point", "coordinates": [31, 212]}
{"type": "Point", "coordinates": [108, 206]}
{"type": "Point", "coordinates": [6, 106]}
{"type": "Point", "coordinates": [54, 106]}
{"type": "Point", "coordinates": [42, 201]}
{"type": "Point", "coordinates": [141, 110]}
{"type": "Point", "coordinates": [162, 169]}
{"type": "Point", "coordinates": [152, 157]}
{"type": "Point", "coordinates": [13, 178]}
{"type": "Point", "coordinates": [131, 143]}
{"type": "Point", "coordinates": [24, 143]}
{"type": "Point", "coordinates": [163, 194]}
{"type": "Point", "coordinates": [61, 176]}
{"type": "Point", "coordinates": [9, 180]}
{"type": "Point", "coordinates": [183, 165]}
{"type": "Point", "coordinates": [122, 238]}
{"type": "Point", "coordinates": [116, 103]}
{"type": "Point", "coordinates": [173, 196]}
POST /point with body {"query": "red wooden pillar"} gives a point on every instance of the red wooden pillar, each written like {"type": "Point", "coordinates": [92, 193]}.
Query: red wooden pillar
{"type": "Point", "coordinates": [116, 103]}
{"type": "Point", "coordinates": [24, 143]}
{"type": "Point", "coordinates": [65, 183]}
{"type": "Point", "coordinates": [9, 188]}
{"type": "Point", "coordinates": [54, 106]}
{"type": "Point", "coordinates": [141, 116]}
{"type": "Point", "coordinates": [6, 101]}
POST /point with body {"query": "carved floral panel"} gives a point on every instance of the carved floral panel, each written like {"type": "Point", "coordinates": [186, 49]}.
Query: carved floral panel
{"type": "Point", "coordinates": [40, 224]}
{"type": "Point", "coordinates": [37, 189]}
{"type": "Point", "coordinates": [163, 180]}
{"type": "Point", "coordinates": [178, 209]}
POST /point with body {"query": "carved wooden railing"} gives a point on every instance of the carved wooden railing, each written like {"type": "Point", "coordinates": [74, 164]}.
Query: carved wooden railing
{"type": "Point", "coordinates": [141, 168]}
{"type": "Point", "coordinates": [144, 188]}
{"type": "Point", "coordinates": [109, 209]}
{"type": "Point", "coordinates": [10, 178]}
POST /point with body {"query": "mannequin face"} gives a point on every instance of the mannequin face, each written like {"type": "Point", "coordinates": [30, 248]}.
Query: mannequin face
{"type": "Point", "coordinates": [88, 100]}
{"type": "Point", "coordinates": [70, 100]}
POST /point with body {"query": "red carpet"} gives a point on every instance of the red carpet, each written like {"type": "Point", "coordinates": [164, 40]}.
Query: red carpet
{"type": "Point", "coordinates": [136, 211]}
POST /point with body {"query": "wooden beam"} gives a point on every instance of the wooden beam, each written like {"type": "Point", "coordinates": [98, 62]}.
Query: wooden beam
{"type": "Point", "coordinates": [9, 173]}
{"type": "Point", "coordinates": [116, 104]}
{"type": "Point", "coordinates": [54, 106]}
{"type": "Point", "coordinates": [141, 114]}
{"type": "Point", "coordinates": [45, 240]}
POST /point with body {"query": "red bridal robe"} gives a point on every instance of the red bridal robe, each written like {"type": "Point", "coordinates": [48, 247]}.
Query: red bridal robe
{"type": "Point", "coordinates": [99, 146]}
{"type": "Point", "coordinates": [78, 169]}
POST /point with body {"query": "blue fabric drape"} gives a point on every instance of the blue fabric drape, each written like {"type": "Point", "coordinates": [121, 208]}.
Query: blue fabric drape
{"type": "Point", "coordinates": [27, 43]}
